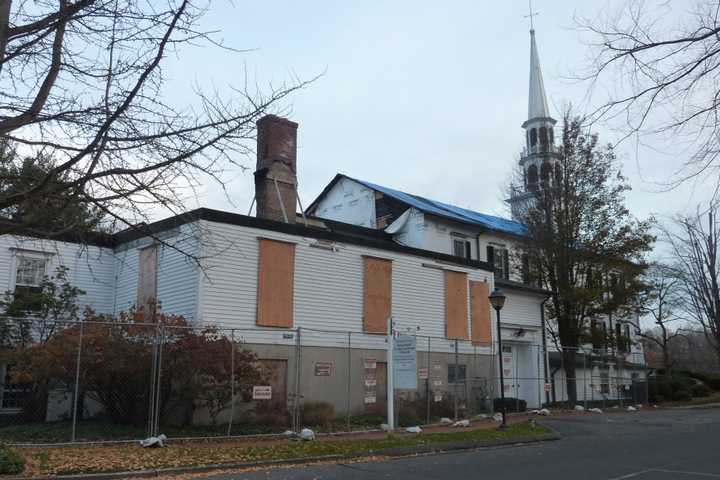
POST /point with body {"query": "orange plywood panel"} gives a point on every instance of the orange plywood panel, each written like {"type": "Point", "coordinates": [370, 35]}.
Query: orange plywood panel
{"type": "Point", "coordinates": [480, 317]}
{"type": "Point", "coordinates": [276, 279]}
{"type": "Point", "coordinates": [456, 305]}
{"type": "Point", "coordinates": [377, 294]}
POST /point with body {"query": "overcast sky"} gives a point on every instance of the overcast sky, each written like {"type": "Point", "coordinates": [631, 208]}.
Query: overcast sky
{"type": "Point", "coordinates": [423, 96]}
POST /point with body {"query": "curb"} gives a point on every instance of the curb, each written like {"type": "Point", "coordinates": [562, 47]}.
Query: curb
{"type": "Point", "coordinates": [390, 452]}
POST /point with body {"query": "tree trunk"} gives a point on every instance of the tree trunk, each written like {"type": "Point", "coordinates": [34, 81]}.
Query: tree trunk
{"type": "Point", "coordinates": [666, 361]}
{"type": "Point", "coordinates": [569, 357]}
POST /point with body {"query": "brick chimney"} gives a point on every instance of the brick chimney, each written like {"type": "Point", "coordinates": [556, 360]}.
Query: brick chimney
{"type": "Point", "coordinates": [276, 174]}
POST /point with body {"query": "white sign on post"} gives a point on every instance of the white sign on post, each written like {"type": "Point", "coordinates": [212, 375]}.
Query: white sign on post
{"type": "Point", "coordinates": [405, 359]}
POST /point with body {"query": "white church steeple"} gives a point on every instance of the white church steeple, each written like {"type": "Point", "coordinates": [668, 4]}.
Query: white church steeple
{"type": "Point", "coordinates": [537, 100]}
{"type": "Point", "coordinates": [539, 157]}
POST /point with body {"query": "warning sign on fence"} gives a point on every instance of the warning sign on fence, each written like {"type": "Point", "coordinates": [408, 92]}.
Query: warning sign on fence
{"type": "Point", "coordinates": [262, 392]}
{"type": "Point", "coordinates": [323, 369]}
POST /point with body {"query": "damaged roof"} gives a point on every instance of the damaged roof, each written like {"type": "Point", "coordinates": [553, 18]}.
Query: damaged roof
{"type": "Point", "coordinates": [440, 209]}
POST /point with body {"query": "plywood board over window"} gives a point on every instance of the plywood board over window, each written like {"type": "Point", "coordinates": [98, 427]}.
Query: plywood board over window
{"type": "Point", "coordinates": [276, 280]}
{"type": "Point", "coordinates": [377, 294]}
{"type": "Point", "coordinates": [456, 305]}
{"type": "Point", "coordinates": [147, 280]}
{"type": "Point", "coordinates": [480, 318]}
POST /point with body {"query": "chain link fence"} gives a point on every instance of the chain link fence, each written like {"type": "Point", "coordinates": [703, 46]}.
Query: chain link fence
{"type": "Point", "coordinates": [118, 381]}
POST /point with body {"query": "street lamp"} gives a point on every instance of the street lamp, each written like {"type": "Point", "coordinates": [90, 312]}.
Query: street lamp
{"type": "Point", "coordinates": [497, 300]}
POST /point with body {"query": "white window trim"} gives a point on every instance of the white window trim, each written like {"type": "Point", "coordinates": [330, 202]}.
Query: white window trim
{"type": "Point", "coordinates": [19, 252]}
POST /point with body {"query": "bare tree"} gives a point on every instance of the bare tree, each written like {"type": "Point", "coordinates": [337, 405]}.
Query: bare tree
{"type": "Point", "coordinates": [82, 84]}
{"type": "Point", "coordinates": [581, 242]}
{"type": "Point", "coordinates": [662, 302]}
{"type": "Point", "coordinates": [694, 242]}
{"type": "Point", "coordinates": [658, 63]}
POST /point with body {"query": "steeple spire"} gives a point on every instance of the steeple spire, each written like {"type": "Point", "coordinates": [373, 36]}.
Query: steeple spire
{"type": "Point", "coordinates": [537, 100]}
{"type": "Point", "coordinates": [539, 158]}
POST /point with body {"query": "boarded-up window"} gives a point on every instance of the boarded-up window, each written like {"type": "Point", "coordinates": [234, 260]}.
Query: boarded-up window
{"type": "Point", "coordinates": [276, 278]}
{"type": "Point", "coordinates": [147, 280]}
{"type": "Point", "coordinates": [480, 319]}
{"type": "Point", "coordinates": [377, 294]}
{"type": "Point", "coordinates": [456, 305]}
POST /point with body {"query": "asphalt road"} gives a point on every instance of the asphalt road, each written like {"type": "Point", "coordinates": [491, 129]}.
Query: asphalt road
{"type": "Point", "coordinates": [658, 445]}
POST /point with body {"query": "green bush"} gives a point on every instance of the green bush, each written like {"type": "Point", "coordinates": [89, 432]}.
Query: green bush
{"type": "Point", "coordinates": [512, 404]}
{"type": "Point", "coordinates": [700, 390]}
{"type": "Point", "coordinates": [682, 396]}
{"type": "Point", "coordinates": [11, 462]}
{"type": "Point", "coordinates": [712, 380]}
{"type": "Point", "coordinates": [681, 382]}
{"type": "Point", "coordinates": [410, 421]}
{"type": "Point", "coordinates": [319, 414]}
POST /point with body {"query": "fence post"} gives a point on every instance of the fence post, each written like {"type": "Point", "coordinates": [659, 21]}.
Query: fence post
{"type": "Point", "coordinates": [539, 377]}
{"type": "Point", "coordinates": [564, 375]}
{"type": "Point", "coordinates": [584, 357]}
{"type": "Point", "coordinates": [77, 384]}
{"type": "Point", "coordinates": [456, 376]}
{"type": "Point", "coordinates": [153, 384]}
{"type": "Point", "coordinates": [427, 383]}
{"type": "Point", "coordinates": [298, 360]}
{"type": "Point", "coordinates": [156, 430]}
{"type": "Point", "coordinates": [232, 381]}
{"type": "Point", "coordinates": [349, 382]}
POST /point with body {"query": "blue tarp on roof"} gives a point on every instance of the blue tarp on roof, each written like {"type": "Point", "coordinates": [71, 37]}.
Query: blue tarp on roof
{"type": "Point", "coordinates": [440, 209]}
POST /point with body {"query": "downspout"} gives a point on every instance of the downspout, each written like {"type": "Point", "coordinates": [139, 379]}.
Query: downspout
{"type": "Point", "coordinates": [545, 352]}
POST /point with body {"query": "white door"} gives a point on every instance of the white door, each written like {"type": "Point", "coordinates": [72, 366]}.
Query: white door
{"type": "Point", "coordinates": [521, 375]}
{"type": "Point", "coordinates": [509, 371]}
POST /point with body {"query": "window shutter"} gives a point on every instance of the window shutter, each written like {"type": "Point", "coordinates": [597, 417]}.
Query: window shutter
{"type": "Point", "coordinates": [276, 280]}
{"type": "Point", "coordinates": [490, 255]}
{"type": "Point", "coordinates": [480, 319]}
{"type": "Point", "coordinates": [506, 265]}
{"type": "Point", "coordinates": [377, 294]}
{"type": "Point", "coordinates": [456, 305]}
{"type": "Point", "coordinates": [468, 251]}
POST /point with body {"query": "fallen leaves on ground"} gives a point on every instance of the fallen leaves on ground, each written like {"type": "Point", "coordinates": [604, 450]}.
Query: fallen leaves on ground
{"type": "Point", "coordinates": [129, 457]}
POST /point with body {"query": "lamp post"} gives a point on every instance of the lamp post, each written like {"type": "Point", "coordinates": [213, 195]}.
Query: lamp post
{"type": "Point", "coordinates": [497, 300]}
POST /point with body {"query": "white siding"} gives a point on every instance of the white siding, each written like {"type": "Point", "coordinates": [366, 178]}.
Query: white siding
{"type": "Point", "coordinates": [177, 282]}
{"type": "Point", "coordinates": [328, 288]}
{"type": "Point", "coordinates": [521, 309]}
{"type": "Point", "coordinates": [439, 235]}
{"type": "Point", "coordinates": [90, 268]}
{"type": "Point", "coordinates": [349, 202]}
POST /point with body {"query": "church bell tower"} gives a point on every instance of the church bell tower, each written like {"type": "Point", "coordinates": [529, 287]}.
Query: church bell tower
{"type": "Point", "coordinates": [539, 158]}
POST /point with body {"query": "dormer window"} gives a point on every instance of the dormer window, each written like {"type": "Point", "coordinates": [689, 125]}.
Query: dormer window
{"type": "Point", "coordinates": [461, 247]}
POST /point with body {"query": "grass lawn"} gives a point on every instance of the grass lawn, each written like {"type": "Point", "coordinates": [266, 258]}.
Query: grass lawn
{"type": "Point", "coordinates": [94, 430]}
{"type": "Point", "coordinates": [126, 457]}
